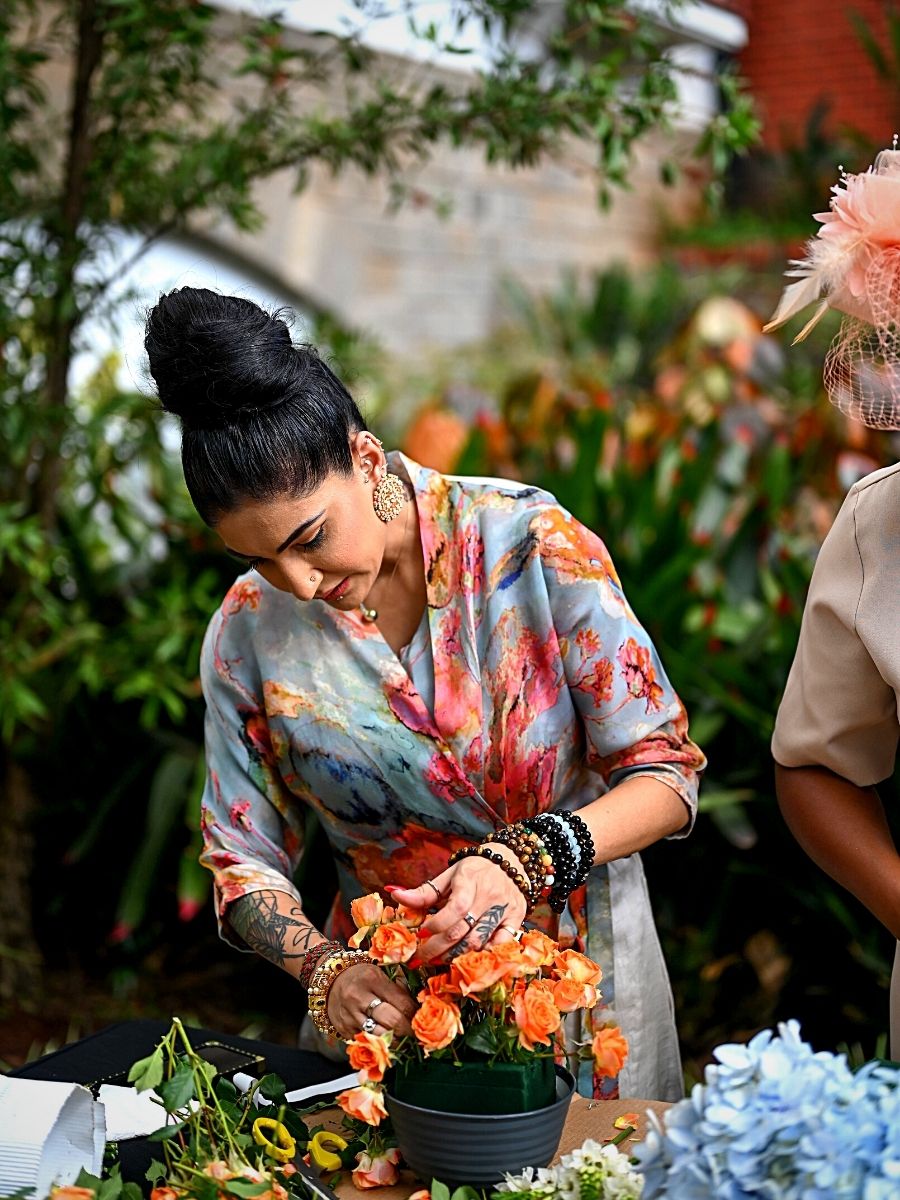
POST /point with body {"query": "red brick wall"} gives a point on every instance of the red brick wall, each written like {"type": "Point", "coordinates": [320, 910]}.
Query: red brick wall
{"type": "Point", "coordinates": [802, 51]}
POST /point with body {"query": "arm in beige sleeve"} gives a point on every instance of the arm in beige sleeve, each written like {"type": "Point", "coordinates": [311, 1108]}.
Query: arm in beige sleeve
{"type": "Point", "coordinates": [836, 734]}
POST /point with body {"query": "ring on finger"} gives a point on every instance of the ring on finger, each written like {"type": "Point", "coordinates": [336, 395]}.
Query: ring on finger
{"type": "Point", "coordinates": [372, 1005]}
{"type": "Point", "coordinates": [516, 933]}
{"type": "Point", "coordinates": [368, 1025]}
{"type": "Point", "coordinates": [434, 886]}
{"type": "Point", "coordinates": [470, 920]}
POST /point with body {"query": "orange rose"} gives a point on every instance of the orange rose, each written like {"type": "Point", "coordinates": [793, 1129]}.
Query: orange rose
{"type": "Point", "coordinates": [364, 1103]}
{"type": "Point", "coordinates": [380, 1171]}
{"type": "Point", "coordinates": [369, 1054]}
{"type": "Point", "coordinates": [420, 1194]}
{"type": "Point", "coordinates": [537, 948]}
{"type": "Point", "coordinates": [158, 1193]}
{"type": "Point", "coordinates": [366, 910]}
{"type": "Point", "coordinates": [569, 995]}
{"type": "Point", "coordinates": [476, 971]}
{"type": "Point", "coordinates": [441, 985]}
{"type": "Point", "coordinates": [535, 1013]}
{"type": "Point", "coordinates": [69, 1191]}
{"type": "Point", "coordinates": [413, 917]}
{"type": "Point", "coordinates": [393, 943]}
{"type": "Point", "coordinates": [610, 1049]}
{"type": "Point", "coordinates": [514, 962]}
{"type": "Point", "coordinates": [569, 964]}
{"type": "Point", "coordinates": [436, 1023]}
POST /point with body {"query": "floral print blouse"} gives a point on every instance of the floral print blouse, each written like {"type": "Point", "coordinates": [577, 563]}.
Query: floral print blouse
{"type": "Point", "coordinates": [542, 691]}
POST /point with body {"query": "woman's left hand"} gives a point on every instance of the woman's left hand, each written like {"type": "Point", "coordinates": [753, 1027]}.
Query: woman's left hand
{"type": "Point", "coordinates": [477, 904]}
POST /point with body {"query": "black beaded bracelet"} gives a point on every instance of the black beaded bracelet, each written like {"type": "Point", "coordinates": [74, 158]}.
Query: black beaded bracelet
{"type": "Point", "coordinates": [566, 868]}
{"type": "Point", "coordinates": [585, 842]}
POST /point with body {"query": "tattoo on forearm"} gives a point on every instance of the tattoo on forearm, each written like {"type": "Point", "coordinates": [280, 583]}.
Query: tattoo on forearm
{"type": "Point", "coordinates": [274, 935]}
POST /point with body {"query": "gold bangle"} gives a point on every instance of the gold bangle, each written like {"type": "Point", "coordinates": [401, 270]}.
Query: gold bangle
{"type": "Point", "coordinates": [321, 983]}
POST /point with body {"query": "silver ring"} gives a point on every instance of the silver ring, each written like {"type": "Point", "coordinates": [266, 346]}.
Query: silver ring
{"type": "Point", "coordinates": [368, 1025]}
{"type": "Point", "coordinates": [516, 933]}
{"type": "Point", "coordinates": [431, 884]}
{"type": "Point", "coordinates": [470, 920]}
{"type": "Point", "coordinates": [372, 1005]}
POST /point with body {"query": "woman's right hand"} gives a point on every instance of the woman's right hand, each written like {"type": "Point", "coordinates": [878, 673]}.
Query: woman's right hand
{"type": "Point", "coordinates": [350, 1001]}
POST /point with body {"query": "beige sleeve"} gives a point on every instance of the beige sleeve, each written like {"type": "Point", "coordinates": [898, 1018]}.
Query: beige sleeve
{"type": "Point", "coordinates": [838, 711]}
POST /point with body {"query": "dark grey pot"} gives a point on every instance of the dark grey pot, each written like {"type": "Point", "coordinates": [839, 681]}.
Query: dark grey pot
{"type": "Point", "coordinates": [479, 1148]}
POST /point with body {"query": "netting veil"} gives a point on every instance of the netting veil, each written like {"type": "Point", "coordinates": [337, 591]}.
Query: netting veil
{"type": "Point", "coordinates": [853, 265]}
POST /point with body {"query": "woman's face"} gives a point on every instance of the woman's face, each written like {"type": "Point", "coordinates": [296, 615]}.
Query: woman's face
{"type": "Point", "coordinates": [328, 545]}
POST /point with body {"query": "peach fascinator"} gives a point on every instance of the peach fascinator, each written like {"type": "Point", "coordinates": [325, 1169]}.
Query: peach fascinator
{"type": "Point", "coordinates": [853, 265]}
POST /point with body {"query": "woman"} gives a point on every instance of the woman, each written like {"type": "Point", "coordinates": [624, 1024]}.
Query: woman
{"type": "Point", "coordinates": [837, 729]}
{"type": "Point", "coordinates": [425, 662]}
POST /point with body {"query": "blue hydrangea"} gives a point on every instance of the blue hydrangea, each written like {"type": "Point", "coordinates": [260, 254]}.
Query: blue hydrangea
{"type": "Point", "coordinates": [774, 1119]}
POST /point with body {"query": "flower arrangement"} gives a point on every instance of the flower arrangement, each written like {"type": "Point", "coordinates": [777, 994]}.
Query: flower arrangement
{"type": "Point", "coordinates": [592, 1172]}
{"type": "Point", "coordinates": [503, 1004]}
{"type": "Point", "coordinates": [775, 1118]}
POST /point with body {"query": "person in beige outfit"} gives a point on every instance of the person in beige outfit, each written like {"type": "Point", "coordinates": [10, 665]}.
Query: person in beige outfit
{"type": "Point", "coordinates": [837, 729]}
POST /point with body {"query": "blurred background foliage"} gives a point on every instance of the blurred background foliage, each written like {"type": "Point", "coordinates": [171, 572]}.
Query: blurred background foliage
{"type": "Point", "coordinates": [703, 452]}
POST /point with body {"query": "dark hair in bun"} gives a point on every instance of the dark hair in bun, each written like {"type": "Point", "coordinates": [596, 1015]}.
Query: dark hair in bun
{"type": "Point", "coordinates": [259, 415]}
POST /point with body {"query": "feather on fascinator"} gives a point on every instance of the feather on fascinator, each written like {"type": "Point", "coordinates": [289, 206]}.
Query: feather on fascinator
{"type": "Point", "coordinates": [853, 265]}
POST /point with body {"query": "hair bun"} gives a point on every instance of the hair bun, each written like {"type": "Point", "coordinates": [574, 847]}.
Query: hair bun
{"type": "Point", "coordinates": [215, 358]}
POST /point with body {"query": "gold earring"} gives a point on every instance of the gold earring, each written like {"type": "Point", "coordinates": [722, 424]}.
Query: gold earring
{"type": "Point", "coordinates": [389, 497]}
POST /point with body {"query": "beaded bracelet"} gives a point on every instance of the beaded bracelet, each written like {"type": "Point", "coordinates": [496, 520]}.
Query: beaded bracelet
{"type": "Point", "coordinates": [495, 857]}
{"type": "Point", "coordinates": [322, 982]}
{"type": "Point", "coordinates": [566, 866]}
{"type": "Point", "coordinates": [531, 852]}
{"type": "Point", "coordinates": [585, 840]}
{"type": "Point", "coordinates": [313, 957]}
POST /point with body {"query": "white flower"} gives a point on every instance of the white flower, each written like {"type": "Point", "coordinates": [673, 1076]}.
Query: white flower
{"type": "Point", "coordinates": [601, 1172]}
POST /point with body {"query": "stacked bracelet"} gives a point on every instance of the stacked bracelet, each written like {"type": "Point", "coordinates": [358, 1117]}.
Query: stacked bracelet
{"type": "Point", "coordinates": [572, 849]}
{"type": "Point", "coordinates": [313, 957]}
{"type": "Point", "coordinates": [322, 981]}
{"type": "Point", "coordinates": [532, 853]}
{"type": "Point", "coordinates": [494, 856]}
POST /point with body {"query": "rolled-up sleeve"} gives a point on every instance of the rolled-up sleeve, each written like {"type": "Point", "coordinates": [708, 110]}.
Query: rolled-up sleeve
{"type": "Point", "coordinates": [838, 710]}
{"type": "Point", "coordinates": [252, 826]}
{"type": "Point", "coordinates": [634, 722]}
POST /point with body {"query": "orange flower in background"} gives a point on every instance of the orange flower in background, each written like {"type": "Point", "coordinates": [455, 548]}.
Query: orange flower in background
{"type": "Point", "coordinates": [513, 961]}
{"type": "Point", "coordinates": [366, 910]}
{"type": "Point", "coordinates": [393, 943]}
{"type": "Point", "coordinates": [537, 948]}
{"type": "Point", "coordinates": [535, 1014]}
{"type": "Point", "coordinates": [420, 1194]}
{"type": "Point", "coordinates": [380, 1171]}
{"type": "Point", "coordinates": [364, 1103]}
{"type": "Point", "coordinates": [578, 967]}
{"type": "Point", "coordinates": [69, 1191]}
{"type": "Point", "coordinates": [75, 1193]}
{"type": "Point", "coordinates": [568, 995]}
{"type": "Point", "coordinates": [368, 1053]}
{"type": "Point", "coordinates": [610, 1050]}
{"type": "Point", "coordinates": [436, 1023]}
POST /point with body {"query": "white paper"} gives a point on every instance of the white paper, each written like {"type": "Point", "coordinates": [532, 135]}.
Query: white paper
{"type": "Point", "coordinates": [49, 1132]}
{"type": "Point", "coordinates": [129, 1113]}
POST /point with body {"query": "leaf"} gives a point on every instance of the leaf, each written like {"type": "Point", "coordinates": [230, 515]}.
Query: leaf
{"type": "Point", "coordinates": [439, 1191]}
{"type": "Point", "coordinates": [155, 1171]}
{"type": "Point", "coordinates": [482, 1039]}
{"type": "Point", "coordinates": [178, 1090]}
{"type": "Point", "coordinates": [271, 1087]}
{"type": "Point", "coordinates": [147, 1072]}
{"type": "Point", "coordinates": [111, 1188]}
{"type": "Point", "coordinates": [243, 1187]}
{"type": "Point", "coordinates": [167, 1132]}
